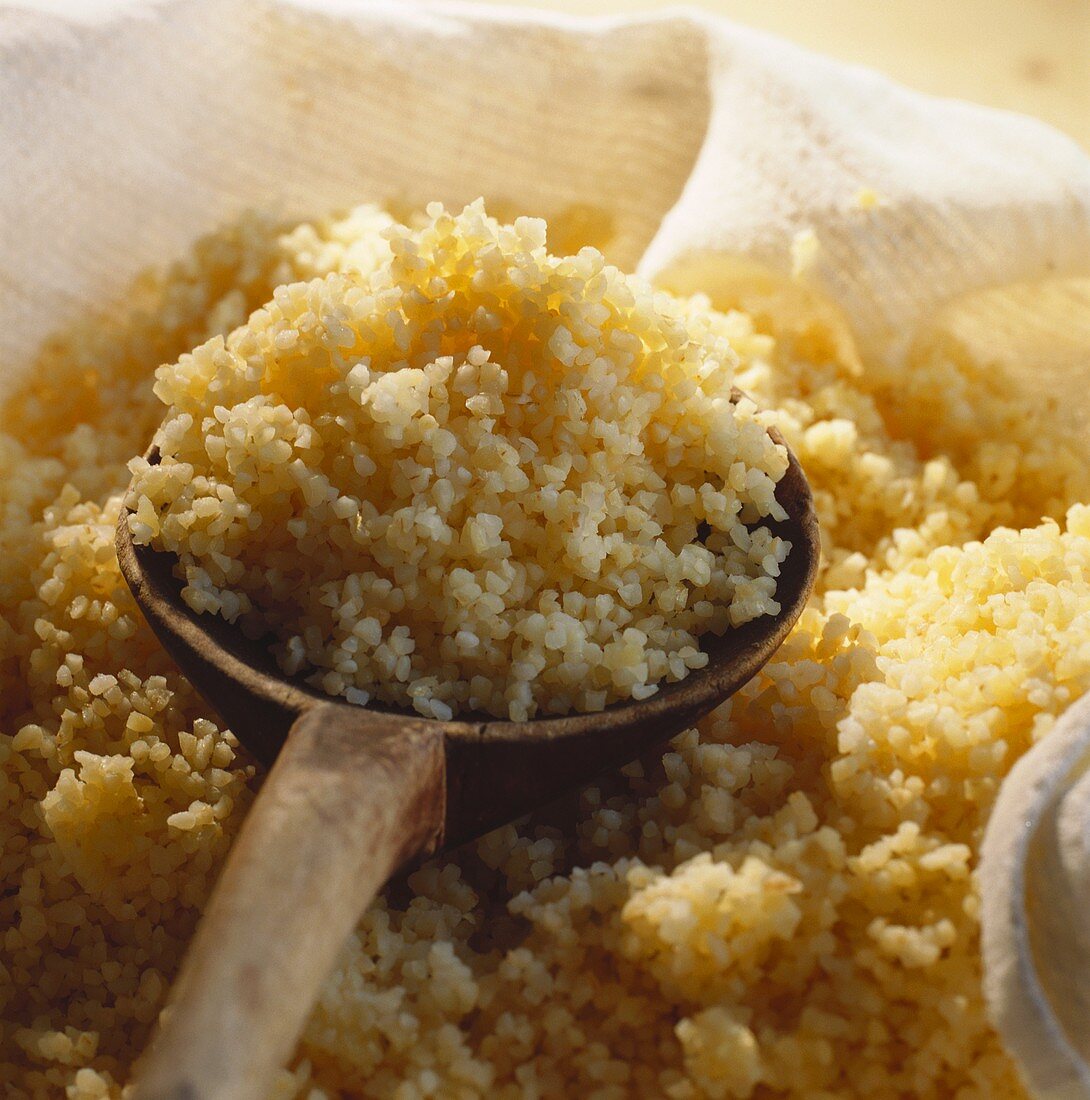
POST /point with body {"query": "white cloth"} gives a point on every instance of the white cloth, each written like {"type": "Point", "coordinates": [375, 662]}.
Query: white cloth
{"type": "Point", "coordinates": [128, 127]}
{"type": "Point", "coordinates": [1036, 898]}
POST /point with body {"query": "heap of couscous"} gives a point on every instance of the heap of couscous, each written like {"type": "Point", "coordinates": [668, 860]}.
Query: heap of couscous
{"type": "Point", "coordinates": [780, 904]}
{"type": "Point", "coordinates": [479, 477]}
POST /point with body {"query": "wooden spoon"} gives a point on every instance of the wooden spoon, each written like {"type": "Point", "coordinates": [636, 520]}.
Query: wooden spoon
{"type": "Point", "coordinates": [355, 793]}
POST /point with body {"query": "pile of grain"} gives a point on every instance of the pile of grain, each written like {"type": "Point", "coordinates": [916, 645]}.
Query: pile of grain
{"type": "Point", "coordinates": [480, 478]}
{"type": "Point", "coordinates": [782, 904]}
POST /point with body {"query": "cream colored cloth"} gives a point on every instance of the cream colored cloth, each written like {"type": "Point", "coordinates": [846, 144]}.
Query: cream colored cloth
{"type": "Point", "coordinates": [128, 127]}
{"type": "Point", "coordinates": [1036, 893]}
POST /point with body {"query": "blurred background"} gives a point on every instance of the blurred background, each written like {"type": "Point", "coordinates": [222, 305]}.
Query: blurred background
{"type": "Point", "coordinates": [1024, 55]}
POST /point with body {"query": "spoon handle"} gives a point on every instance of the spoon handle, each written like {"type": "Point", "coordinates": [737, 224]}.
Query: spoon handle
{"type": "Point", "coordinates": [340, 810]}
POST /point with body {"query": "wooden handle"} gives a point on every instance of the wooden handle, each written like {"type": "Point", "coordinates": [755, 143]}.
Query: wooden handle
{"type": "Point", "coordinates": [339, 812]}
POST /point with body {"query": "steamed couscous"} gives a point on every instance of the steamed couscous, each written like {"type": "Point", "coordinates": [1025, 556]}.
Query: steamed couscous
{"type": "Point", "coordinates": [780, 904]}
{"type": "Point", "coordinates": [480, 477]}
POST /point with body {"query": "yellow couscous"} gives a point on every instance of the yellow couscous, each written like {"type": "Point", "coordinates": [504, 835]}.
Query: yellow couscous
{"type": "Point", "coordinates": [782, 903]}
{"type": "Point", "coordinates": [480, 478]}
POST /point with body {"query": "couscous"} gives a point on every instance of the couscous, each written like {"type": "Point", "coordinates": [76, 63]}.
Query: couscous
{"type": "Point", "coordinates": [480, 478]}
{"type": "Point", "coordinates": [780, 904]}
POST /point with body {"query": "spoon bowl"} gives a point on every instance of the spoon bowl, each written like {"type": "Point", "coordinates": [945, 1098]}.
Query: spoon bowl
{"type": "Point", "coordinates": [356, 792]}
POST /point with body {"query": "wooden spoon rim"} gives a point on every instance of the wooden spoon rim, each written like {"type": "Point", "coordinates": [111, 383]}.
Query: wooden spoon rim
{"type": "Point", "coordinates": [734, 657]}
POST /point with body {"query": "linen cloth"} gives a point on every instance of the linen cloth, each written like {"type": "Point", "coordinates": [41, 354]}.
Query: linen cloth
{"type": "Point", "coordinates": [720, 156]}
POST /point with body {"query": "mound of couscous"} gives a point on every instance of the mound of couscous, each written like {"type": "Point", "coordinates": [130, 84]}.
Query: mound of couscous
{"type": "Point", "coordinates": [480, 477]}
{"type": "Point", "coordinates": [782, 904]}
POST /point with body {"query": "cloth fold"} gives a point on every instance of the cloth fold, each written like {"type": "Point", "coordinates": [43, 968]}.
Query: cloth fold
{"type": "Point", "coordinates": [714, 153]}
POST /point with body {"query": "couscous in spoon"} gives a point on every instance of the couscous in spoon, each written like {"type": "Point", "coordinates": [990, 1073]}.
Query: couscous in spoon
{"type": "Point", "coordinates": [355, 792]}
